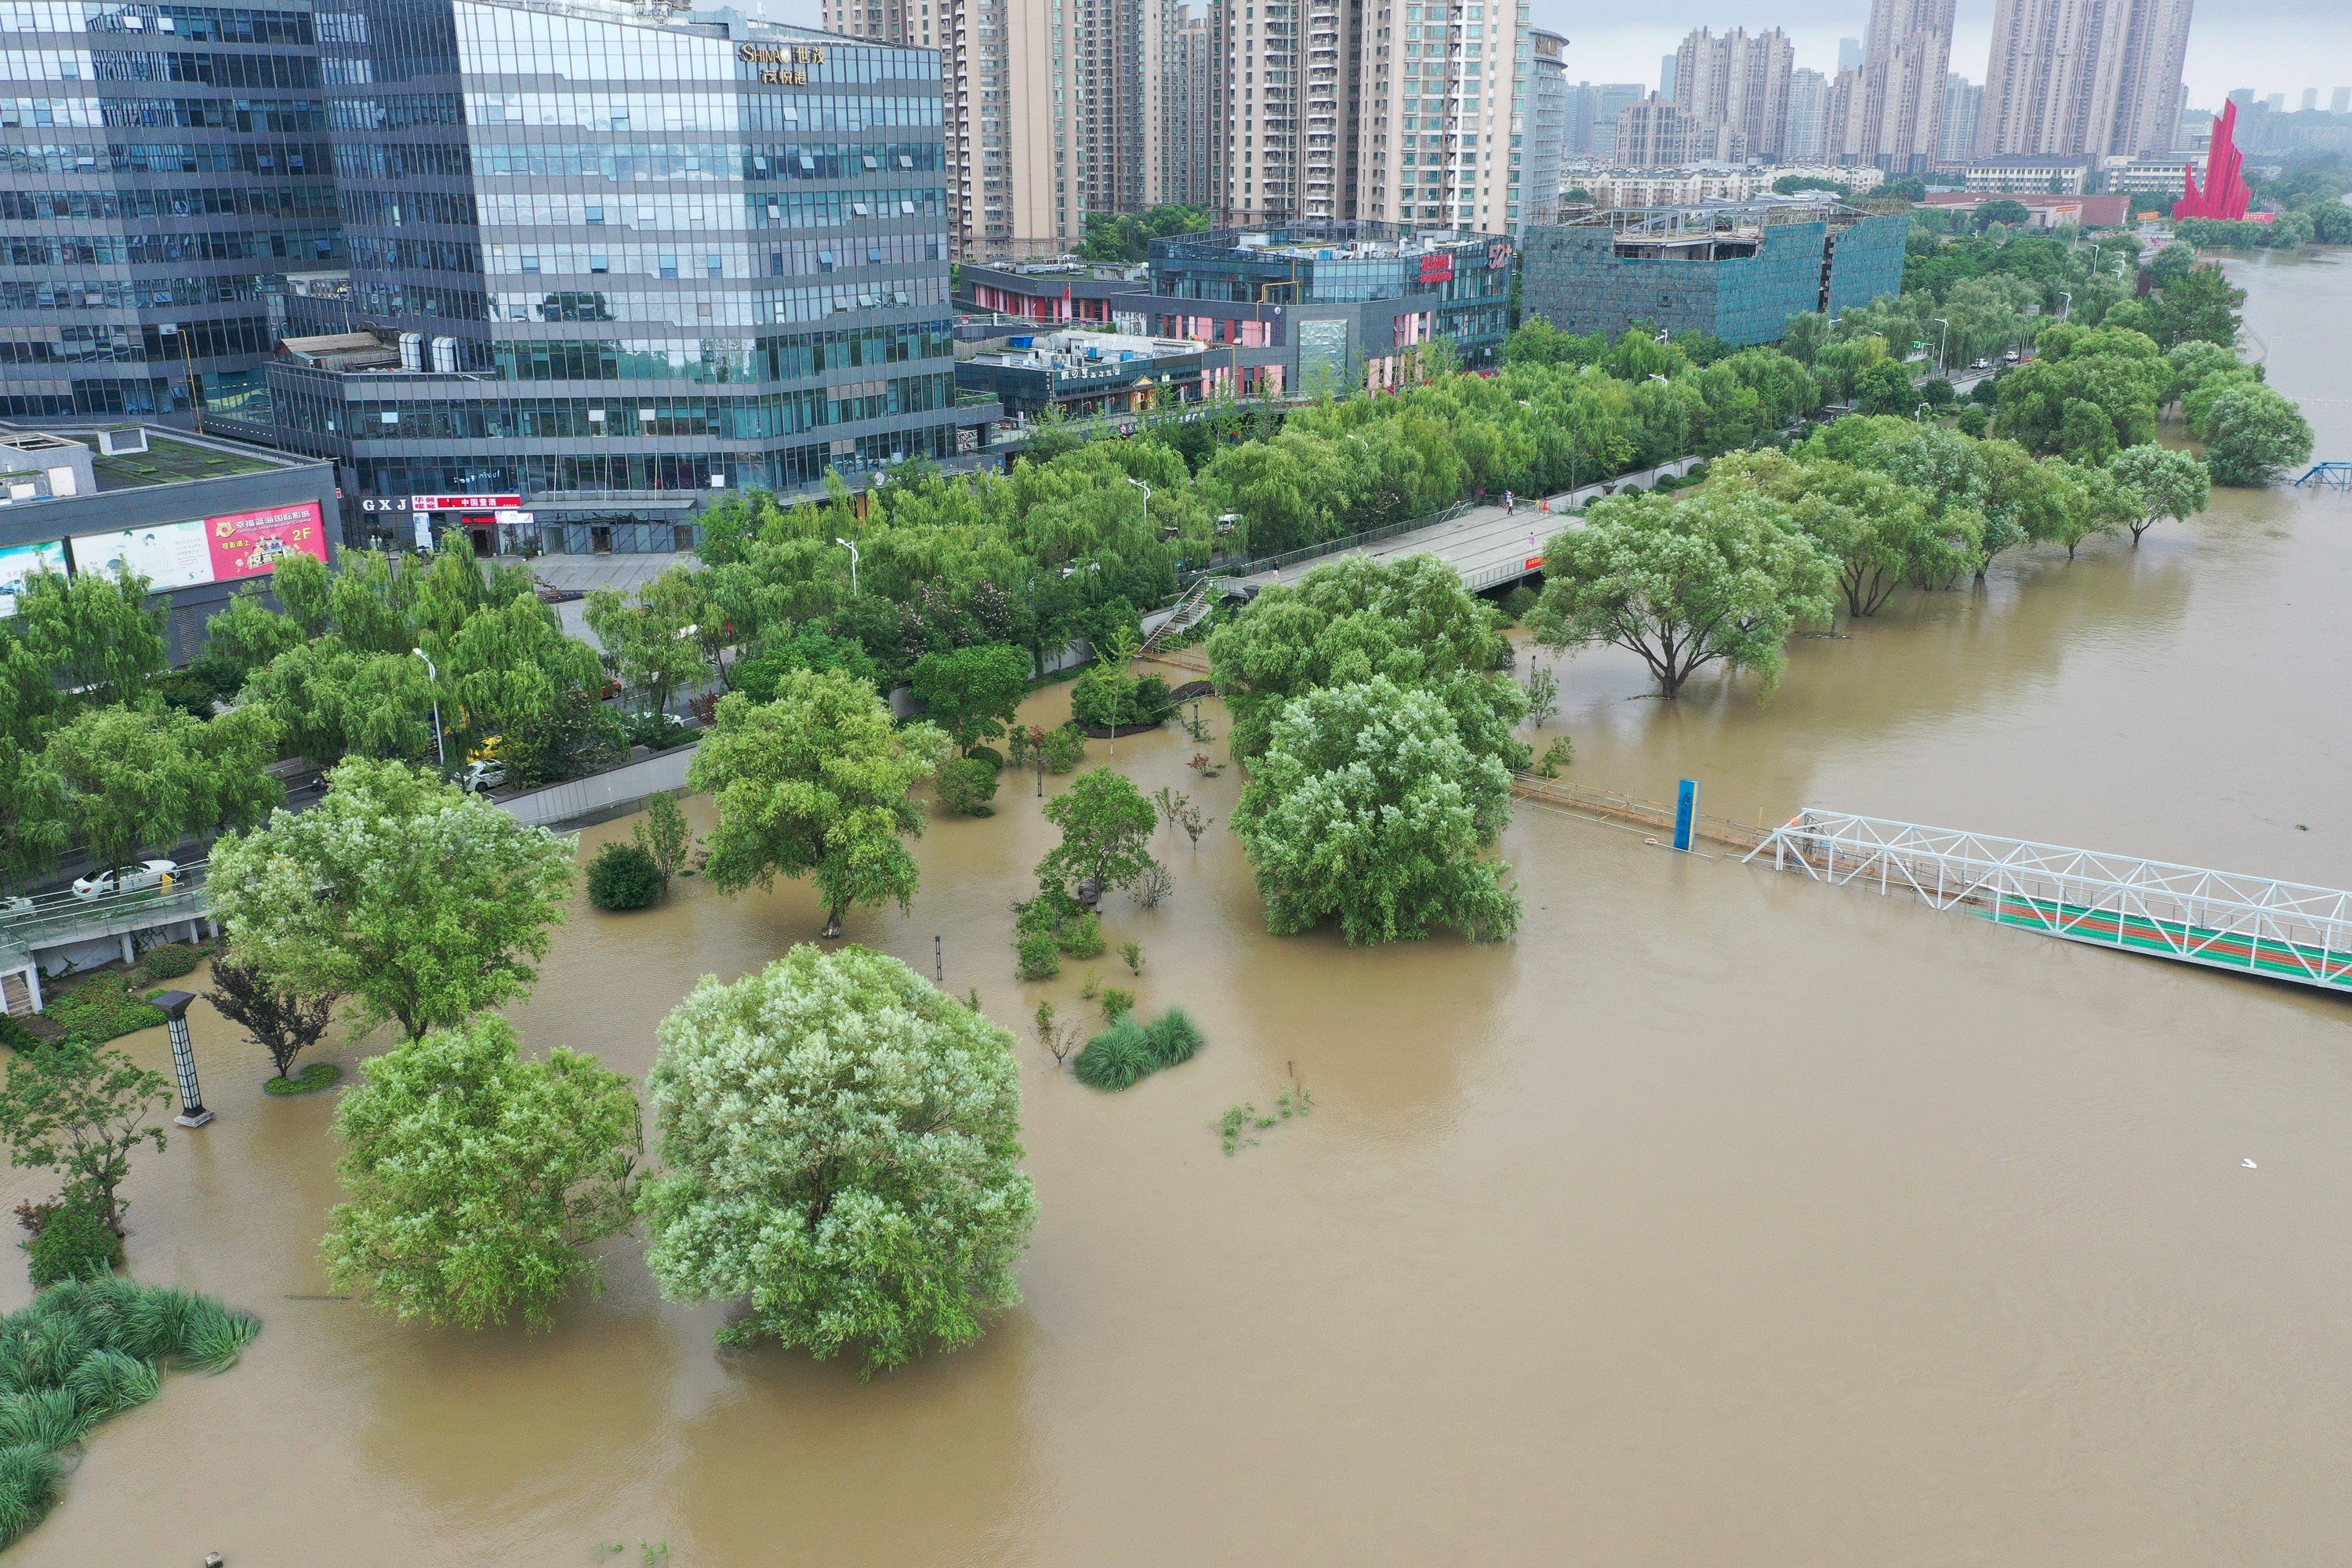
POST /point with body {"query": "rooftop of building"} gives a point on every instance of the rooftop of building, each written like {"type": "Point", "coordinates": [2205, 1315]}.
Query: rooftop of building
{"type": "Point", "coordinates": [1077, 350]}
{"type": "Point", "coordinates": [1713, 219]}
{"type": "Point", "coordinates": [1336, 240]}
{"type": "Point", "coordinates": [2034, 161]}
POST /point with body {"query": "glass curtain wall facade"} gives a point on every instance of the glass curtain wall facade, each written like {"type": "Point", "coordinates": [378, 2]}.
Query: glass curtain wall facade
{"type": "Point", "coordinates": [163, 169]}
{"type": "Point", "coordinates": [637, 259]}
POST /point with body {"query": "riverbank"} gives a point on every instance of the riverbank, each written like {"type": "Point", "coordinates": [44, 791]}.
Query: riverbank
{"type": "Point", "coordinates": [1718, 1218]}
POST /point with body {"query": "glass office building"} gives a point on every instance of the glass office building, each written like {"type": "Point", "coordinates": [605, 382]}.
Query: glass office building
{"type": "Point", "coordinates": [622, 260]}
{"type": "Point", "coordinates": [165, 184]}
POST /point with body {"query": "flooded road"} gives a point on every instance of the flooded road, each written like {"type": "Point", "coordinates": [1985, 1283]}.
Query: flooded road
{"type": "Point", "coordinates": [1720, 1218]}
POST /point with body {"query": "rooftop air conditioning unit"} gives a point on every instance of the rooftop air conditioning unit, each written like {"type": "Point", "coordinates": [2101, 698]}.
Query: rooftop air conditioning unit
{"type": "Point", "coordinates": [122, 443]}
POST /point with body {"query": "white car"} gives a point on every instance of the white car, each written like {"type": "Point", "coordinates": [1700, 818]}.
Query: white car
{"type": "Point", "coordinates": [124, 880]}
{"type": "Point", "coordinates": [482, 775]}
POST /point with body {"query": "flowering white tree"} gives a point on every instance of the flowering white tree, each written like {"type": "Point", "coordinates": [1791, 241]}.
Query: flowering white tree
{"type": "Point", "coordinates": [842, 1144]}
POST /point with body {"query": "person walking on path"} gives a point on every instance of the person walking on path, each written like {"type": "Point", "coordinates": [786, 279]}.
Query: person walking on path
{"type": "Point", "coordinates": [1510, 503]}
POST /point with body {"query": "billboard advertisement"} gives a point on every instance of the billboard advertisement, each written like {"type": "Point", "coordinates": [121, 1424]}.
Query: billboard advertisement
{"type": "Point", "coordinates": [168, 554]}
{"type": "Point", "coordinates": [20, 562]}
{"type": "Point", "coordinates": [249, 543]}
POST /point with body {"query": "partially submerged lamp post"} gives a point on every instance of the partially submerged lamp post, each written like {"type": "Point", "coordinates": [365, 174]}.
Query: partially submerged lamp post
{"type": "Point", "coordinates": [174, 1005]}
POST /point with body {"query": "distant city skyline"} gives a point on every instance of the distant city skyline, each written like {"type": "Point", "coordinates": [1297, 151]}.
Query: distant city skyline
{"type": "Point", "coordinates": [2271, 45]}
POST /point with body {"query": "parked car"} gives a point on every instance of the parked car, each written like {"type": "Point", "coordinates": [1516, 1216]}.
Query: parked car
{"type": "Point", "coordinates": [2009, 358]}
{"type": "Point", "coordinates": [1981, 365]}
{"type": "Point", "coordinates": [124, 880]}
{"type": "Point", "coordinates": [482, 775]}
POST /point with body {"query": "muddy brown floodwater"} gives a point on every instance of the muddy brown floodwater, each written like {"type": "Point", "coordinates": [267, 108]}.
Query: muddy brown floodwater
{"type": "Point", "coordinates": [1717, 1219]}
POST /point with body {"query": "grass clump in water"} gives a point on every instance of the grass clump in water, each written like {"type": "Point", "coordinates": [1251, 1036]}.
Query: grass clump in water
{"type": "Point", "coordinates": [1129, 1050]}
{"type": "Point", "coordinates": [1117, 1058]}
{"type": "Point", "coordinates": [86, 1349]}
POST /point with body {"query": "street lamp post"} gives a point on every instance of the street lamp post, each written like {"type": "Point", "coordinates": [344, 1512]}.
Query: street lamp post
{"type": "Point", "coordinates": [440, 747]}
{"type": "Point", "coordinates": [2067, 309]}
{"type": "Point", "coordinates": [853, 564]}
{"type": "Point", "coordinates": [1943, 366]}
{"type": "Point", "coordinates": [1138, 484]}
{"type": "Point", "coordinates": [175, 1006]}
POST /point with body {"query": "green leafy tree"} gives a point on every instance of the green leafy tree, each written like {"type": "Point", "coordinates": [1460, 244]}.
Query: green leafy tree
{"type": "Point", "coordinates": [2201, 303]}
{"type": "Point", "coordinates": [148, 777]}
{"type": "Point", "coordinates": [477, 1178]}
{"type": "Point", "coordinates": [1366, 808]}
{"type": "Point", "coordinates": [814, 783]}
{"type": "Point", "coordinates": [799, 644]}
{"type": "Point", "coordinates": [330, 701]}
{"type": "Point", "coordinates": [82, 1111]}
{"type": "Point", "coordinates": [663, 835]}
{"type": "Point", "coordinates": [93, 636]}
{"type": "Point", "coordinates": [2163, 482]}
{"type": "Point", "coordinates": [1883, 533]}
{"type": "Point", "coordinates": [2254, 435]}
{"type": "Point", "coordinates": [1409, 620]}
{"type": "Point", "coordinates": [2009, 212]}
{"type": "Point", "coordinates": [841, 1151]}
{"type": "Point", "coordinates": [1106, 824]}
{"type": "Point", "coordinates": [972, 693]}
{"type": "Point", "coordinates": [1684, 583]}
{"type": "Point", "coordinates": [655, 644]}
{"type": "Point", "coordinates": [424, 904]}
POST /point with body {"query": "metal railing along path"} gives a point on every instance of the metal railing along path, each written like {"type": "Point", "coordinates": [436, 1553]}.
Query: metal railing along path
{"type": "Point", "coordinates": [42, 921]}
{"type": "Point", "coordinates": [2225, 920]}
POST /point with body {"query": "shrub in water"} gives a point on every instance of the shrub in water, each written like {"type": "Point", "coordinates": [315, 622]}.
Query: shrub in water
{"type": "Point", "coordinates": [1064, 749]}
{"type": "Point", "coordinates": [170, 961]}
{"type": "Point", "coordinates": [1040, 958]}
{"type": "Point", "coordinates": [1083, 937]}
{"type": "Point", "coordinates": [1117, 1058]}
{"type": "Point", "coordinates": [15, 1036]}
{"type": "Point", "coordinates": [1116, 1003]}
{"type": "Point", "coordinates": [72, 1243]}
{"type": "Point", "coordinates": [989, 755]}
{"type": "Point", "coordinates": [623, 877]}
{"type": "Point", "coordinates": [1174, 1037]}
{"type": "Point", "coordinates": [966, 785]}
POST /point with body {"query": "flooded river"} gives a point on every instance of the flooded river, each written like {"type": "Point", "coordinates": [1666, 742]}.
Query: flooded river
{"type": "Point", "coordinates": [1720, 1218]}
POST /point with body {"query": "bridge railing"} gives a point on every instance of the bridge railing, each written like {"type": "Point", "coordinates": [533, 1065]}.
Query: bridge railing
{"type": "Point", "coordinates": [45, 917]}
{"type": "Point", "coordinates": [2226, 919]}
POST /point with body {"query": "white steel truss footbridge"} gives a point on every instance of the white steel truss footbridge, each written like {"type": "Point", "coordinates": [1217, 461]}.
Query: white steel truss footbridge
{"type": "Point", "coordinates": [2221, 919]}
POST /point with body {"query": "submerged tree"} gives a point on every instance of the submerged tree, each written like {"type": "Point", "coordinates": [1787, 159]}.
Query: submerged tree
{"type": "Point", "coordinates": [283, 1022]}
{"type": "Point", "coordinates": [1367, 808]}
{"type": "Point", "coordinates": [81, 1110]}
{"type": "Point", "coordinates": [841, 1149]}
{"type": "Point", "coordinates": [2164, 482]}
{"type": "Point", "coordinates": [1684, 583]}
{"type": "Point", "coordinates": [814, 783]}
{"type": "Point", "coordinates": [476, 1177]}
{"type": "Point", "coordinates": [1105, 823]}
{"type": "Point", "coordinates": [423, 903]}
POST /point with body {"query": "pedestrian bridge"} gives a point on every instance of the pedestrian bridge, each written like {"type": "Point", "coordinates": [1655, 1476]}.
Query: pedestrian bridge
{"type": "Point", "coordinates": [57, 923]}
{"type": "Point", "coordinates": [2224, 920]}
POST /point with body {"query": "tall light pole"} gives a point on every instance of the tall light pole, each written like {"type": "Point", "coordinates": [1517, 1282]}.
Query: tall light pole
{"type": "Point", "coordinates": [1138, 484]}
{"type": "Point", "coordinates": [174, 1005]}
{"type": "Point", "coordinates": [440, 747]}
{"type": "Point", "coordinates": [853, 564]}
{"type": "Point", "coordinates": [1943, 367]}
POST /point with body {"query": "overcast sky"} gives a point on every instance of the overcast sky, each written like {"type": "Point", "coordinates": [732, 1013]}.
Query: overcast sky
{"type": "Point", "coordinates": [2271, 45]}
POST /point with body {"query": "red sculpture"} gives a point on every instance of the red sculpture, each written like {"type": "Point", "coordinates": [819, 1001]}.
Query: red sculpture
{"type": "Point", "coordinates": [2225, 194]}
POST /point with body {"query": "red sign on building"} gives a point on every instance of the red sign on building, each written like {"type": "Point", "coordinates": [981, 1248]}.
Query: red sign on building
{"type": "Point", "coordinates": [1437, 266]}
{"type": "Point", "coordinates": [462, 503]}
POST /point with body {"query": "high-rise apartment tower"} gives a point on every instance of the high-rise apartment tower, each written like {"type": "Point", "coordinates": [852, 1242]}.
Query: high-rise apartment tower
{"type": "Point", "coordinates": [1739, 81]}
{"type": "Point", "coordinates": [2083, 77]}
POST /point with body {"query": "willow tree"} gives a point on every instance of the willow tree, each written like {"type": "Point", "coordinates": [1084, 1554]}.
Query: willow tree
{"type": "Point", "coordinates": [1682, 582]}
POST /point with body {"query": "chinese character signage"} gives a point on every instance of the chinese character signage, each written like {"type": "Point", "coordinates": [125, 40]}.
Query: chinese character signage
{"type": "Point", "coordinates": [249, 543]}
